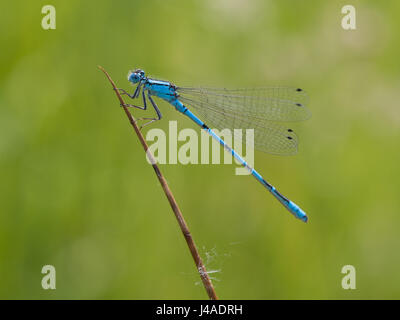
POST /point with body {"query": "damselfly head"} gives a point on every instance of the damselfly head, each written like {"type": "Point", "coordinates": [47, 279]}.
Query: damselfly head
{"type": "Point", "coordinates": [135, 76]}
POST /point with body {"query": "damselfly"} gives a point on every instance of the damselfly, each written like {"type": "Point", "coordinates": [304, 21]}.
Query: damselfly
{"type": "Point", "coordinates": [261, 109]}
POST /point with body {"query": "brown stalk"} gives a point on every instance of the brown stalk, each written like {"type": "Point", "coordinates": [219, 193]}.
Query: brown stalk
{"type": "Point", "coordinates": [175, 208]}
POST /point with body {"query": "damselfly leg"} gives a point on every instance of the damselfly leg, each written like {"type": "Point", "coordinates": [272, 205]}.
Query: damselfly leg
{"type": "Point", "coordinates": [132, 96]}
{"type": "Point", "coordinates": [159, 115]}
{"type": "Point", "coordinates": [144, 107]}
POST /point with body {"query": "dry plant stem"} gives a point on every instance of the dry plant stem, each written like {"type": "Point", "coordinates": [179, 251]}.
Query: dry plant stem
{"type": "Point", "coordinates": [178, 214]}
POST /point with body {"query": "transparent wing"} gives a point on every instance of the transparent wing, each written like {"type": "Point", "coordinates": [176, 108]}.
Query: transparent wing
{"type": "Point", "coordinates": [272, 103]}
{"type": "Point", "coordinates": [269, 136]}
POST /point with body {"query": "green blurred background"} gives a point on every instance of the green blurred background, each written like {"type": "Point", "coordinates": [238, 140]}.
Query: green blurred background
{"type": "Point", "coordinates": [77, 192]}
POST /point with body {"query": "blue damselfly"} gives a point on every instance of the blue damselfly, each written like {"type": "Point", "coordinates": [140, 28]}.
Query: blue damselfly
{"type": "Point", "coordinates": [261, 109]}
